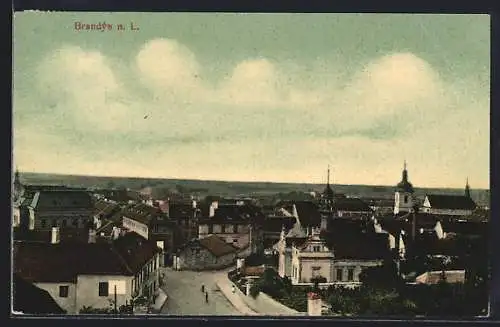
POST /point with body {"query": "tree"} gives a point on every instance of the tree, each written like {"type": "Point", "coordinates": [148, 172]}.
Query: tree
{"type": "Point", "coordinates": [384, 277]}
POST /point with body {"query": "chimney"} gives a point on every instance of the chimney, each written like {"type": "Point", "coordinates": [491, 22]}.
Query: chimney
{"type": "Point", "coordinates": [55, 236]}
{"type": "Point", "coordinates": [92, 236]}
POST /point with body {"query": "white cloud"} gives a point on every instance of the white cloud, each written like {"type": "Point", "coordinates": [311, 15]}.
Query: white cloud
{"type": "Point", "coordinates": [260, 122]}
{"type": "Point", "coordinates": [169, 68]}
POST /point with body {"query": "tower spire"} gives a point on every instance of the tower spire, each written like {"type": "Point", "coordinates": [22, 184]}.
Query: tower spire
{"type": "Point", "coordinates": [467, 188]}
{"type": "Point", "coordinates": [405, 172]}
{"type": "Point", "coordinates": [328, 175]}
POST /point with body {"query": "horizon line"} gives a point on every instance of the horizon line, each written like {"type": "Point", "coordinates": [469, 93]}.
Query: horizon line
{"type": "Point", "coordinates": [244, 181]}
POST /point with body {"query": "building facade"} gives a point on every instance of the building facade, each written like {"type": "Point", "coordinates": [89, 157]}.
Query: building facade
{"type": "Point", "coordinates": [238, 224]}
{"type": "Point", "coordinates": [79, 275]}
{"type": "Point", "coordinates": [208, 253]}
{"type": "Point", "coordinates": [57, 208]}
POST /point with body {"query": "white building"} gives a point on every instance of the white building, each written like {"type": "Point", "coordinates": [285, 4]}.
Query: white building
{"type": "Point", "coordinates": [311, 258]}
{"type": "Point", "coordinates": [79, 275]}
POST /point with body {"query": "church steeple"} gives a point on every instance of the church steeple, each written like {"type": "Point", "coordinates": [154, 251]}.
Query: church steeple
{"type": "Point", "coordinates": [405, 184]}
{"type": "Point", "coordinates": [328, 193]}
{"type": "Point", "coordinates": [467, 188]}
{"type": "Point", "coordinates": [405, 173]}
{"type": "Point", "coordinates": [17, 181]}
{"type": "Point", "coordinates": [403, 195]}
{"type": "Point", "coordinates": [17, 185]}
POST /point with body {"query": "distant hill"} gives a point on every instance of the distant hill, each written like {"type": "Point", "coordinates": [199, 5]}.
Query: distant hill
{"type": "Point", "coordinates": [225, 188]}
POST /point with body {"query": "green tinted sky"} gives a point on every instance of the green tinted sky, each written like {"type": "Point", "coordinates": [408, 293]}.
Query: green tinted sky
{"type": "Point", "coordinates": [255, 96]}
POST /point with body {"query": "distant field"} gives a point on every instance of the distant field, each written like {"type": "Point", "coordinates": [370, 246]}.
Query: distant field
{"type": "Point", "coordinates": [232, 188]}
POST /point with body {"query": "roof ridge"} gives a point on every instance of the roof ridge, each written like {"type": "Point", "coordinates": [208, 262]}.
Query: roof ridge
{"type": "Point", "coordinates": [122, 259]}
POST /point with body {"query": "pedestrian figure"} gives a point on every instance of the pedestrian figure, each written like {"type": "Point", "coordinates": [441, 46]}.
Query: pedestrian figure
{"type": "Point", "coordinates": [202, 288]}
{"type": "Point", "coordinates": [233, 289]}
{"type": "Point", "coordinates": [206, 297]}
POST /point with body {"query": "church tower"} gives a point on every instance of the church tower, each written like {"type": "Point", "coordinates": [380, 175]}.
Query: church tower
{"type": "Point", "coordinates": [17, 186]}
{"type": "Point", "coordinates": [467, 188]}
{"type": "Point", "coordinates": [403, 195]}
{"type": "Point", "coordinates": [328, 194]}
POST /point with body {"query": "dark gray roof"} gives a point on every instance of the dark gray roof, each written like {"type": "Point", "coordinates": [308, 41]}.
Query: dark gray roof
{"type": "Point", "coordinates": [62, 262]}
{"type": "Point", "coordinates": [57, 200]}
{"type": "Point", "coordinates": [308, 213]}
{"type": "Point", "coordinates": [455, 202]}
{"type": "Point", "coordinates": [30, 299]}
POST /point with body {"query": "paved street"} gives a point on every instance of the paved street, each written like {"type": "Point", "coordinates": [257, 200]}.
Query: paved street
{"type": "Point", "coordinates": [185, 296]}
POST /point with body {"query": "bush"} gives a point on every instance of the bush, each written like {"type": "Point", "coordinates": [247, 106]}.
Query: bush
{"type": "Point", "coordinates": [254, 290]}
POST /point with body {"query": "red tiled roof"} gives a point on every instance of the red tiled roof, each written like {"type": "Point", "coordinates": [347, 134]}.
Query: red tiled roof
{"type": "Point", "coordinates": [217, 246]}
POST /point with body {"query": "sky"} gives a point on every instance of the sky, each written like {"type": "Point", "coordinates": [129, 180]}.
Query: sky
{"type": "Point", "coordinates": [254, 97]}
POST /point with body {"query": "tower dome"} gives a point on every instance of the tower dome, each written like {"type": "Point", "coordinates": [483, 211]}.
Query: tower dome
{"type": "Point", "coordinates": [405, 185]}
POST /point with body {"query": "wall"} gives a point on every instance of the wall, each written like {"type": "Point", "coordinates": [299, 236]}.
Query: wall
{"type": "Point", "coordinates": [135, 226]}
{"type": "Point", "coordinates": [307, 265]}
{"type": "Point", "coordinates": [400, 205]}
{"type": "Point", "coordinates": [450, 212]}
{"type": "Point", "coordinates": [204, 260]}
{"type": "Point", "coordinates": [146, 281]}
{"type": "Point", "coordinates": [87, 291]}
{"type": "Point", "coordinates": [75, 218]}
{"type": "Point", "coordinates": [266, 305]}
{"type": "Point", "coordinates": [66, 303]}
{"type": "Point", "coordinates": [357, 265]}
{"type": "Point", "coordinates": [16, 216]}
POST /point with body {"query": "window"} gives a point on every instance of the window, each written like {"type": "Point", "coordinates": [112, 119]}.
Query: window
{"type": "Point", "coordinates": [340, 274]}
{"type": "Point", "coordinates": [229, 228]}
{"type": "Point", "coordinates": [63, 291]}
{"type": "Point", "coordinates": [350, 274]}
{"type": "Point", "coordinates": [316, 271]}
{"type": "Point", "coordinates": [406, 198]}
{"type": "Point", "coordinates": [316, 248]}
{"type": "Point", "coordinates": [103, 289]}
{"type": "Point", "coordinates": [43, 223]}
